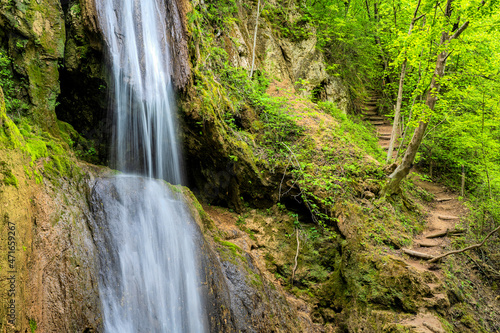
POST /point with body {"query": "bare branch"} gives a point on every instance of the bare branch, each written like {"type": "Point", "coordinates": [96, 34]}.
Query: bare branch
{"type": "Point", "coordinates": [459, 30]}
{"type": "Point", "coordinates": [418, 18]}
{"type": "Point", "coordinates": [475, 246]}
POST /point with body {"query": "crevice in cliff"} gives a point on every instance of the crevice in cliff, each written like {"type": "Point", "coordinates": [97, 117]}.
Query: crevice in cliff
{"type": "Point", "coordinates": [83, 99]}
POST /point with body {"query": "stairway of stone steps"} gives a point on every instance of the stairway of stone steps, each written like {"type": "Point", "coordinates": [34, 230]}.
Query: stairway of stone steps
{"type": "Point", "coordinates": [441, 221]}
{"type": "Point", "coordinates": [382, 124]}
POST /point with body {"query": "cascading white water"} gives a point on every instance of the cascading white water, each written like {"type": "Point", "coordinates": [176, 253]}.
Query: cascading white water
{"type": "Point", "coordinates": [144, 132]}
{"type": "Point", "coordinates": [148, 279]}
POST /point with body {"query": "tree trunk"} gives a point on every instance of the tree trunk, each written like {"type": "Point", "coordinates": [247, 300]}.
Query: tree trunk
{"type": "Point", "coordinates": [397, 113]}
{"type": "Point", "coordinates": [432, 94]}
{"type": "Point", "coordinates": [255, 39]}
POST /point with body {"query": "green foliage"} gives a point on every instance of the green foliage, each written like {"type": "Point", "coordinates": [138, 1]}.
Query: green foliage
{"type": "Point", "coordinates": [296, 28]}
{"type": "Point", "coordinates": [220, 13]}
{"type": "Point", "coordinates": [14, 106]}
{"type": "Point", "coordinates": [354, 130]}
{"type": "Point", "coordinates": [33, 326]}
{"type": "Point", "coordinates": [75, 9]}
{"type": "Point", "coordinates": [346, 35]}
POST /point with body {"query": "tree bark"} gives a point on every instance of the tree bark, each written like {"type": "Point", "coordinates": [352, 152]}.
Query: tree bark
{"type": "Point", "coordinates": [432, 95]}
{"type": "Point", "coordinates": [397, 113]}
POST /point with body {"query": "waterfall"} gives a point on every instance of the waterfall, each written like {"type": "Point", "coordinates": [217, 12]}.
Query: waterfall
{"type": "Point", "coordinates": [144, 119]}
{"type": "Point", "coordinates": [149, 278]}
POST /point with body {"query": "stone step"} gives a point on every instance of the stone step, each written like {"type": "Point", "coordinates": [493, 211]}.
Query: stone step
{"type": "Point", "coordinates": [448, 218]}
{"type": "Point", "coordinates": [427, 243]}
{"type": "Point", "coordinates": [377, 122]}
{"type": "Point", "coordinates": [385, 134]}
{"type": "Point", "coordinates": [383, 137]}
{"type": "Point", "coordinates": [444, 233]}
{"type": "Point", "coordinates": [373, 117]}
{"type": "Point", "coordinates": [444, 199]}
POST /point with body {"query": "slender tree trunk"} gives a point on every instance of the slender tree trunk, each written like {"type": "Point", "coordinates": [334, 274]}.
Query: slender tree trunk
{"type": "Point", "coordinates": [432, 94]}
{"type": "Point", "coordinates": [347, 4]}
{"type": "Point", "coordinates": [399, 102]}
{"type": "Point", "coordinates": [397, 113]}
{"type": "Point", "coordinates": [484, 155]}
{"type": "Point", "coordinates": [255, 39]}
{"type": "Point", "coordinates": [462, 190]}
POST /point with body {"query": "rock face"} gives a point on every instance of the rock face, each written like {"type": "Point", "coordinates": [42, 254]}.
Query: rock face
{"type": "Point", "coordinates": [62, 286]}
{"type": "Point", "coordinates": [297, 62]}
{"type": "Point", "coordinates": [83, 100]}
{"type": "Point", "coordinates": [34, 35]}
{"type": "Point", "coordinates": [45, 231]}
{"type": "Point", "coordinates": [237, 297]}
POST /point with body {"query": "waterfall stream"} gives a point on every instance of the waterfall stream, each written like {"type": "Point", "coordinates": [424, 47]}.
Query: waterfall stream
{"type": "Point", "coordinates": [149, 272]}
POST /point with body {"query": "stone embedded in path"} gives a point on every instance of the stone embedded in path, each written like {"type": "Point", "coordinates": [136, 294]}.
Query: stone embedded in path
{"type": "Point", "coordinates": [384, 137]}
{"type": "Point", "coordinates": [448, 218]}
{"type": "Point", "coordinates": [427, 243]}
{"type": "Point", "coordinates": [444, 199]}
{"type": "Point", "coordinates": [378, 122]}
{"type": "Point", "coordinates": [417, 254]}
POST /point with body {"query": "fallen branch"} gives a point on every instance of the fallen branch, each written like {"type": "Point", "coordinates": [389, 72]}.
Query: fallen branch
{"type": "Point", "coordinates": [475, 246]}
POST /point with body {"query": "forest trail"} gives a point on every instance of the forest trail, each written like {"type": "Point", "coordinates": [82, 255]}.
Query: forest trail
{"type": "Point", "coordinates": [443, 214]}
{"type": "Point", "coordinates": [382, 124]}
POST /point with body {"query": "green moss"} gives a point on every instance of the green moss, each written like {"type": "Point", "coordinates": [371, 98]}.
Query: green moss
{"type": "Point", "coordinates": [256, 280]}
{"type": "Point", "coordinates": [235, 249]}
{"type": "Point", "coordinates": [36, 148]}
{"type": "Point", "coordinates": [8, 177]}
{"type": "Point", "coordinates": [205, 219]}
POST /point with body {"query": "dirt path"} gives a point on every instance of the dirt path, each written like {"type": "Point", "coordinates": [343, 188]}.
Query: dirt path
{"type": "Point", "coordinates": [443, 214]}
